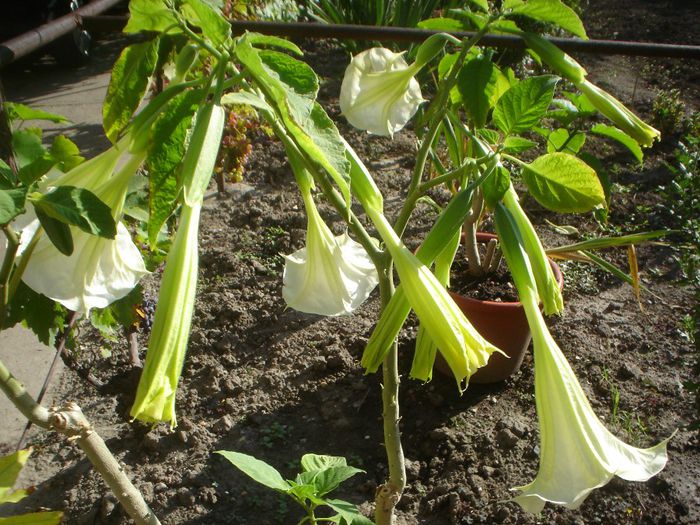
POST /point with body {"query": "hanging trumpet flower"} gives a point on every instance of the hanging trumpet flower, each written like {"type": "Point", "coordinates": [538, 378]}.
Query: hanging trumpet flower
{"type": "Point", "coordinates": [577, 453]}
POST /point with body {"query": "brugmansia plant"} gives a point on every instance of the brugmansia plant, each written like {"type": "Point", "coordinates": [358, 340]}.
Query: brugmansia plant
{"type": "Point", "coordinates": [470, 141]}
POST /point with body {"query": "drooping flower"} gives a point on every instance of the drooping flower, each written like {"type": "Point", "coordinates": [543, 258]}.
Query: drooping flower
{"type": "Point", "coordinates": [379, 93]}
{"type": "Point", "coordinates": [577, 453]}
{"type": "Point", "coordinates": [155, 397]}
{"type": "Point", "coordinates": [330, 275]}
{"type": "Point", "coordinates": [99, 271]}
{"type": "Point", "coordinates": [463, 348]}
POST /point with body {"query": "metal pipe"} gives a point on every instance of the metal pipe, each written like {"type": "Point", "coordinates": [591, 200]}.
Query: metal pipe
{"type": "Point", "coordinates": [402, 34]}
{"type": "Point", "coordinates": [30, 41]}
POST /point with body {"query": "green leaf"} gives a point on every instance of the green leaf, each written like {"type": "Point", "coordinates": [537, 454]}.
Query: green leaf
{"type": "Point", "coordinates": [131, 76]}
{"type": "Point", "coordinates": [296, 75]}
{"type": "Point", "coordinates": [481, 4]}
{"type": "Point", "coordinates": [57, 231]}
{"type": "Point", "coordinates": [515, 144]}
{"type": "Point", "coordinates": [37, 312]}
{"type": "Point", "coordinates": [34, 518]}
{"type": "Point", "coordinates": [256, 39]}
{"type": "Point", "coordinates": [164, 157]}
{"type": "Point", "coordinates": [11, 204]}
{"type": "Point", "coordinates": [330, 478]}
{"type": "Point", "coordinates": [312, 462]}
{"type": "Point", "coordinates": [258, 470]}
{"type": "Point", "coordinates": [10, 467]}
{"type": "Point", "coordinates": [610, 242]}
{"type": "Point", "coordinates": [307, 123]}
{"type": "Point", "coordinates": [78, 207]}
{"type": "Point", "coordinates": [552, 11]}
{"type": "Point", "coordinates": [620, 136]}
{"type": "Point", "coordinates": [16, 111]}
{"type": "Point", "coordinates": [480, 84]}
{"type": "Point", "coordinates": [442, 24]}
{"type": "Point", "coordinates": [245, 98]}
{"type": "Point", "coordinates": [348, 512]}
{"type": "Point", "coordinates": [65, 152]}
{"type": "Point", "coordinates": [523, 105]}
{"type": "Point", "coordinates": [36, 169]}
{"type": "Point", "coordinates": [563, 183]}
{"type": "Point", "coordinates": [149, 15]}
{"type": "Point", "coordinates": [27, 146]}
{"type": "Point", "coordinates": [214, 26]}
{"type": "Point", "coordinates": [495, 186]}
{"type": "Point", "coordinates": [560, 140]}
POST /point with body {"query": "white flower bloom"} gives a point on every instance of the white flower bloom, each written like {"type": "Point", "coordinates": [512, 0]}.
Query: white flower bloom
{"type": "Point", "coordinates": [379, 93]}
{"type": "Point", "coordinates": [99, 271]}
{"type": "Point", "coordinates": [331, 275]}
{"type": "Point", "coordinates": [577, 453]}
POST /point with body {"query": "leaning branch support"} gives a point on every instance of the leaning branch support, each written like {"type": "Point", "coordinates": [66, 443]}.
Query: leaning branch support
{"type": "Point", "coordinates": [70, 421]}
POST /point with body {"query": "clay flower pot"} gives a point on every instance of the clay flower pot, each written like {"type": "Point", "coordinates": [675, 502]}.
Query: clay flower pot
{"type": "Point", "coordinates": [502, 324]}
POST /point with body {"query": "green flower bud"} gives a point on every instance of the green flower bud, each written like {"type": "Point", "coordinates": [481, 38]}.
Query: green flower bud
{"type": "Point", "coordinates": [559, 61]}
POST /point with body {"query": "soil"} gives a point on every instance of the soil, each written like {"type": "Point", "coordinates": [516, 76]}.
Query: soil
{"type": "Point", "coordinates": [272, 382]}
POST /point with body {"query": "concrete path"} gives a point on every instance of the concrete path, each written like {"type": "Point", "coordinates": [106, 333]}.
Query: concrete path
{"type": "Point", "coordinates": [76, 93]}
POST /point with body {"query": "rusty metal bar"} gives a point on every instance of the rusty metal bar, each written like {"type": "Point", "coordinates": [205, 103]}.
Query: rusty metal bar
{"type": "Point", "coordinates": [402, 34]}
{"type": "Point", "coordinates": [30, 41]}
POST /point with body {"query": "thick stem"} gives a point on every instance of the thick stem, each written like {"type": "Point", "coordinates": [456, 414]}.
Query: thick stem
{"type": "Point", "coordinates": [71, 422]}
{"type": "Point", "coordinates": [471, 247]}
{"type": "Point", "coordinates": [389, 493]}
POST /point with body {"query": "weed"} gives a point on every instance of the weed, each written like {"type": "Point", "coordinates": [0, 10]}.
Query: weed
{"type": "Point", "coordinates": [273, 434]}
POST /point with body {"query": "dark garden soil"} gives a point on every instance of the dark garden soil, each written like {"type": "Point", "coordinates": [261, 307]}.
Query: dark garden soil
{"type": "Point", "coordinates": [275, 383]}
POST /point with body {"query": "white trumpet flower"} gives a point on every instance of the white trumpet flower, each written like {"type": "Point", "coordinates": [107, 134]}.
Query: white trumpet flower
{"type": "Point", "coordinates": [577, 453]}
{"type": "Point", "coordinates": [379, 93]}
{"type": "Point", "coordinates": [99, 271]}
{"type": "Point", "coordinates": [331, 275]}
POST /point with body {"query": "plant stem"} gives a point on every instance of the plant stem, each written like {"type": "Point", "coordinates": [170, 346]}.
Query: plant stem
{"type": "Point", "coordinates": [72, 423]}
{"type": "Point", "coordinates": [471, 247]}
{"type": "Point", "coordinates": [389, 493]}
{"type": "Point", "coordinates": [6, 269]}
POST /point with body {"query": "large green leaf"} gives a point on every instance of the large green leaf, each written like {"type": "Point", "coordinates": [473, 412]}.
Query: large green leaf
{"type": "Point", "coordinates": [312, 462]}
{"type": "Point", "coordinates": [480, 84]}
{"type": "Point", "coordinates": [306, 122]}
{"type": "Point", "coordinates": [523, 105]}
{"type": "Point", "coordinates": [149, 15]}
{"type": "Point", "coordinates": [11, 204]}
{"type": "Point", "coordinates": [214, 26]}
{"type": "Point", "coordinates": [495, 186]}
{"type": "Point", "coordinates": [551, 11]}
{"type": "Point", "coordinates": [36, 169]}
{"type": "Point", "coordinates": [167, 149]}
{"type": "Point", "coordinates": [620, 136]}
{"type": "Point", "coordinates": [348, 512]}
{"type": "Point", "coordinates": [78, 207]}
{"type": "Point", "coordinates": [131, 76]}
{"type": "Point", "coordinates": [563, 183]}
{"type": "Point", "coordinates": [258, 470]}
{"type": "Point", "coordinates": [442, 24]}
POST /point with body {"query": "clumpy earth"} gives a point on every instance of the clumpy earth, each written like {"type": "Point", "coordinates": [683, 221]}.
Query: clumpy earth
{"type": "Point", "coordinates": [275, 383]}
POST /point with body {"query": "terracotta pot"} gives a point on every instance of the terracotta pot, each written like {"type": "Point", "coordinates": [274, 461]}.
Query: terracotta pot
{"type": "Point", "coordinates": [503, 324]}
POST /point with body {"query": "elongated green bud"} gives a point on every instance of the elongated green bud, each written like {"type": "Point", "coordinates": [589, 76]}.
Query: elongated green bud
{"type": "Point", "coordinates": [183, 62]}
{"type": "Point", "coordinates": [200, 158]}
{"type": "Point", "coordinates": [362, 184]}
{"type": "Point", "coordinates": [155, 397]}
{"type": "Point", "coordinates": [555, 58]}
{"type": "Point", "coordinates": [547, 285]}
{"type": "Point", "coordinates": [430, 48]}
{"type": "Point", "coordinates": [616, 111]}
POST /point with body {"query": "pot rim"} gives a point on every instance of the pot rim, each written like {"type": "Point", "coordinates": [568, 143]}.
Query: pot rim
{"type": "Point", "coordinates": [484, 237]}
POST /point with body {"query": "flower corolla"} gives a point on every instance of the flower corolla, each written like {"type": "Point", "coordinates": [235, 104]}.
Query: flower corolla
{"type": "Point", "coordinates": [331, 275]}
{"type": "Point", "coordinates": [379, 93]}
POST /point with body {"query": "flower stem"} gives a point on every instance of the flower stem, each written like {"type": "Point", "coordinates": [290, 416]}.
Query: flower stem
{"type": "Point", "coordinates": [6, 269]}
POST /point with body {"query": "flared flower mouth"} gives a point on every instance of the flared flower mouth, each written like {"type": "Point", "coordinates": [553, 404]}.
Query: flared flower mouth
{"type": "Point", "coordinates": [379, 93]}
{"type": "Point", "coordinates": [331, 275]}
